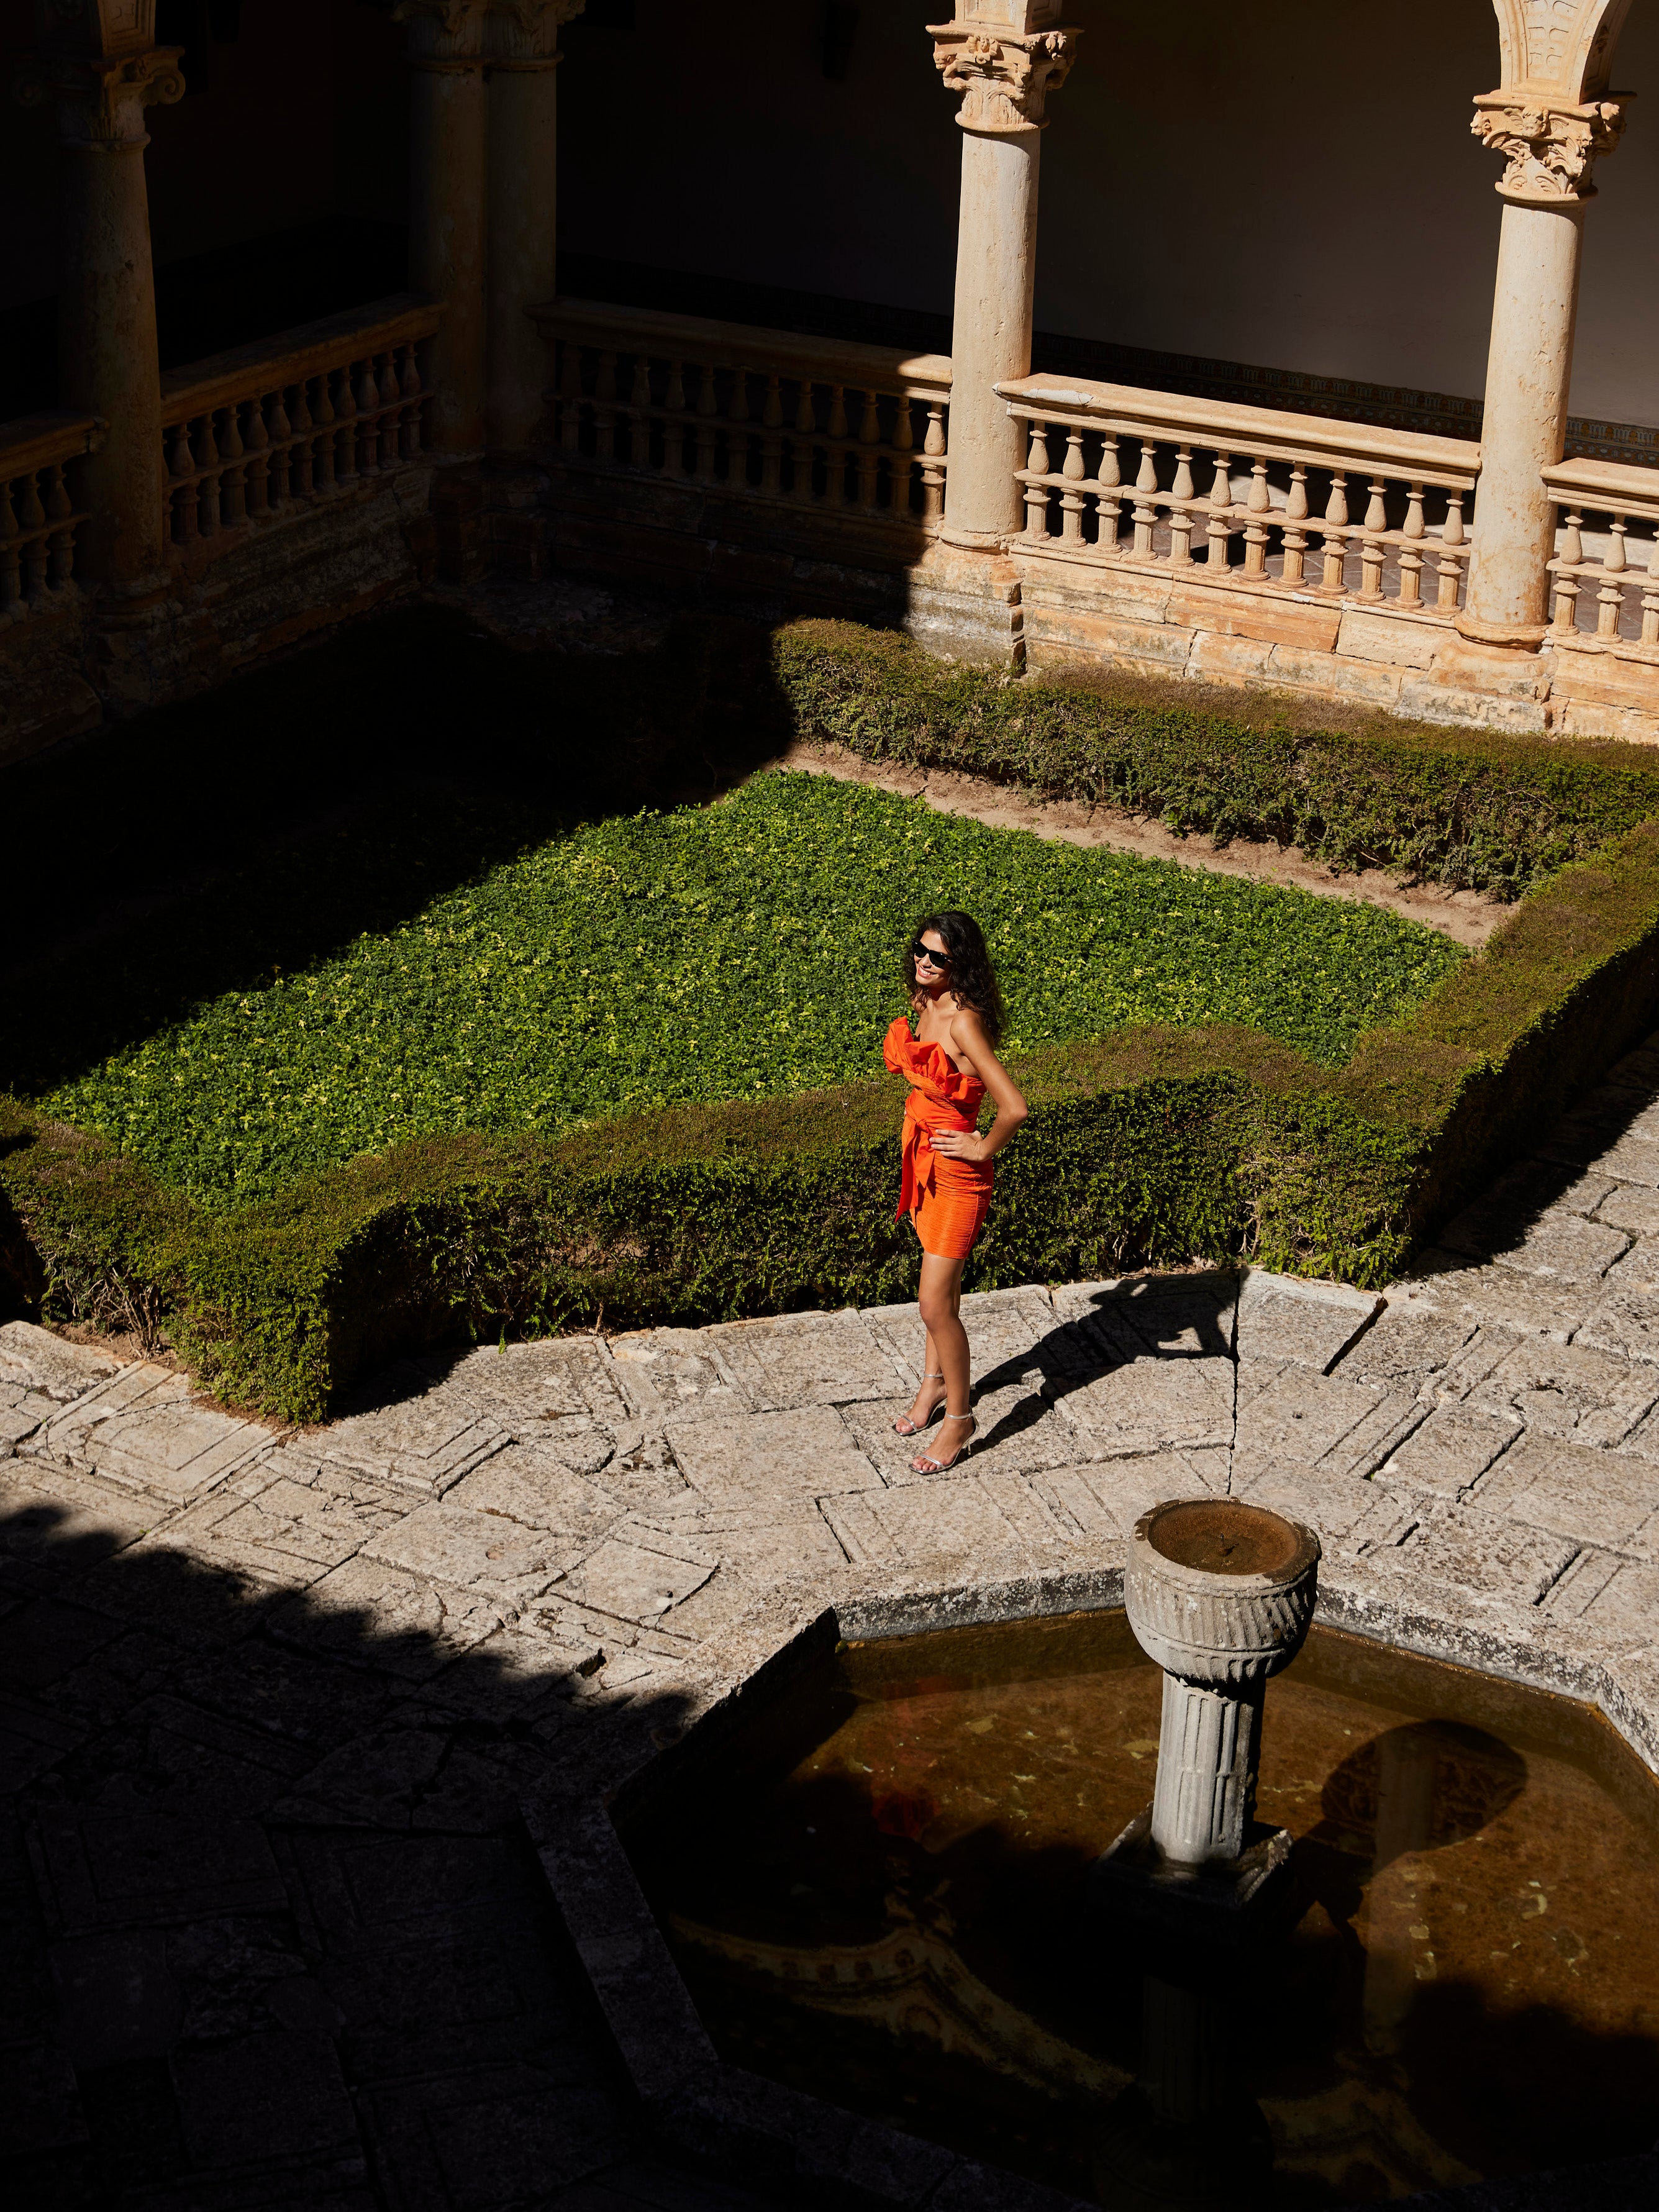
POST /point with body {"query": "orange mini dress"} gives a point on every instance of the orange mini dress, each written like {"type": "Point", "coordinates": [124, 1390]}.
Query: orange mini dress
{"type": "Point", "coordinates": [946, 1199]}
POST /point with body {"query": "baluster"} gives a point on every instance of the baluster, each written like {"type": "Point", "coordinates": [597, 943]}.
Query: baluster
{"type": "Point", "coordinates": [1411, 556]}
{"type": "Point", "coordinates": [257, 474]}
{"type": "Point", "coordinates": [674, 428]}
{"type": "Point", "coordinates": [368, 400]}
{"type": "Point", "coordinates": [232, 487]}
{"type": "Point", "coordinates": [1108, 507]}
{"type": "Point", "coordinates": [570, 397]}
{"type": "Point", "coordinates": [638, 415]}
{"type": "Point", "coordinates": [1180, 514]}
{"type": "Point", "coordinates": [409, 389]}
{"type": "Point", "coordinates": [771, 482]}
{"type": "Point", "coordinates": [1295, 538]}
{"type": "Point", "coordinates": [11, 594]}
{"type": "Point", "coordinates": [1333, 533]}
{"type": "Point", "coordinates": [32, 517]}
{"type": "Point", "coordinates": [323, 417]}
{"type": "Point", "coordinates": [903, 445]}
{"type": "Point", "coordinates": [1072, 504]}
{"type": "Point", "coordinates": [300, 477]}
{"type": "Point", "coordinates": [838, 434]}
{"type": "Point", "coordinates": [181, 467]}
{"type": "Point", "coordinates": [1145, 512]}
{"type": "Point", "coordinates": [706, 411]}
{"type": "Point", "coordinates": [1256, 533]}
{"type": "Point", "coordinates": [1651, 596]}
{"type": "Point", "coordinates": [605, 412]}
{"type": "Point", "coordinates": [386, 388]}
{"type": "Point", "coordinates": [61, 563]}
{"type": "Point", "coordinates": [1449, 570]}
{"type": "Point", "coordinates": [933, 465]}
{"type": "Point", "coordinates": [345, 434]}
{"type": "Point", "coordinates": [1221, 505]}
{"type": "Point", "coordinates": [1565, 567]}
{"type": "Point", "coordinates": [737, 436]}
{"type": "Point", "coordinates": [205, 447]}
{"type": "Point", "coordinates": [1610, 598]}
{"type": "Point", "coordinates": [281, 433]}
{"type": "Point", "coordinates": [1036, 491]}
{"type": "Point", "coordinates": [1372, 551]}
{"type": "Point", "coordinates": [801, 451]}
{"type": "Point", "coordinates": [869, 461]}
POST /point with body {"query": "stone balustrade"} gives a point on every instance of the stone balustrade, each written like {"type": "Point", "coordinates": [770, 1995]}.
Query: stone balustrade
{"type": "Point", "coordinates": [809, 423]}
{"type": "Point", "coordinates": [40, 510]}
{"type": "Point", "coordinates": [1605, 587]}
{"type": "Point", "coordinates": [272, 429]}
{"type": "Point", "coordinates": [1246, 496]}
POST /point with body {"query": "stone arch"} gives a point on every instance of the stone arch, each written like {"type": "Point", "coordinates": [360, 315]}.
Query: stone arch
{"type": "Point", "coordinates": [1565, 44]}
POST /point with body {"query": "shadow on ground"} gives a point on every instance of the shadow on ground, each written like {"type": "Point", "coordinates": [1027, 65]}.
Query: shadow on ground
{"type": "Point", "coordinates": [207, 846]}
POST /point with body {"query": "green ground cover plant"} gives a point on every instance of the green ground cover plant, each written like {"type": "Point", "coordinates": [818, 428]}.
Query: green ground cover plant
{"type": "Point", "coordinates": [745, 949]}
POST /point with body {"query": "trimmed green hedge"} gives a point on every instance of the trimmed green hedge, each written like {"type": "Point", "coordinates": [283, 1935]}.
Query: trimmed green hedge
{"type": "Point", "coordinates": [1150, 1145]}
{"type": "Point", "coordinates": [1469, 809]}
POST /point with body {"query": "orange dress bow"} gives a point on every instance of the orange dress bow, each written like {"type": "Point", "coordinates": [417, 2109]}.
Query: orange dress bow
{"type": "Point", "coordinates": [946, 1198]}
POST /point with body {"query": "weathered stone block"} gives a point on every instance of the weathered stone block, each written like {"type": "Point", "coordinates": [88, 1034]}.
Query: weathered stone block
{"type": "Point", "coordinates": [1265, 616]}
{"type": "Point", "coordinates": [1446, 1455]}
{"type": "Point", "coordinates": [733, 1460]}
{"type": "Point", "coordinates": [50, 1364]}
{"type": "Point", "coordinates": [1568, 1391]}
{"type": "Point", "coordinates": [1592, 1496]}
{"type": "Point", "coordinates": [808, 1360]}
{"type": "Point", "coordinates": [1280, 1317]}
{"type": "Point", "coordinates": [1394, 639]}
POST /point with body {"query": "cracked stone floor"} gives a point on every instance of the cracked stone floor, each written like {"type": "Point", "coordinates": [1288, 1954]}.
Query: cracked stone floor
{"type": "Point", "coordinates": [277, 1932]}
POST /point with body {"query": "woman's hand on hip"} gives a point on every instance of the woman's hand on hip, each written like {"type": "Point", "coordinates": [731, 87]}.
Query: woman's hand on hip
{"type": "Point", "coordinates": [960, 1145]}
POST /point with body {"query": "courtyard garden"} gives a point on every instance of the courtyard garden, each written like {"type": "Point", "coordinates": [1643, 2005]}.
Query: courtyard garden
{"type": "Point", "coordinates": [540, 999]}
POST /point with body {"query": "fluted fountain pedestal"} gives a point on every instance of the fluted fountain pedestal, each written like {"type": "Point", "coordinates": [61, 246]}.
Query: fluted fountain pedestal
{"type": "Point", "coordinates": [1221, 1595]}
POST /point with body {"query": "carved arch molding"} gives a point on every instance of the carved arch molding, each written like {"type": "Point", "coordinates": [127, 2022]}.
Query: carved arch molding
{"type": "Point", "coordinates": [1552, 116]}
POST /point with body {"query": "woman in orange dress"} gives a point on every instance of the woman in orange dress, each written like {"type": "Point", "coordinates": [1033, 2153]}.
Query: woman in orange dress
{"type": "Point", "coordinates": [949, 1058]}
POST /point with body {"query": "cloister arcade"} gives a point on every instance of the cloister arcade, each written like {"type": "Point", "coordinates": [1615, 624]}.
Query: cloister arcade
{"type": "Point", "coordinates": [162, 521]}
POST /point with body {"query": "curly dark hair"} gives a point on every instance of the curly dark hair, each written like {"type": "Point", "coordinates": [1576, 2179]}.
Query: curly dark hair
{"type": "Point", "coordinates": [973, 979]}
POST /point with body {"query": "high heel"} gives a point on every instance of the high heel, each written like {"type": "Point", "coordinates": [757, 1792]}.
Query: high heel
{"type": "Point", "coordinates": [904, 1426]}
{"type": "Point", "coordinates": [924, 1463]}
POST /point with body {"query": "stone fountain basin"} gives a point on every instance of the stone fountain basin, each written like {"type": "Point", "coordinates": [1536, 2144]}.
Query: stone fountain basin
{"type": "Point", "coordinates": [810, 2150]}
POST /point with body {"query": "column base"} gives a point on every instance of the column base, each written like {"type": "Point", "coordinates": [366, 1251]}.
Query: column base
{"type": "Point", "coordinates": [973, 541]}
{"type": "Point", "coordinates": [1520, 635]}
{"type": "Point", "coordinates": [1224, 1897]}
{"type": "Point", "coordinates": [962, 603]}
{"type": "Point", "coordinates": [1507, 662]}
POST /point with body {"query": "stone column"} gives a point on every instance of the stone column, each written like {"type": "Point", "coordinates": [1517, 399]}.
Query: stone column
{"type": "Point", "coordinates": [99, 67]}
{"type": "Point", "coordinates": [1550, 119]}
{"type": "Point", "coordinates": [1005, 56]}
{"type": "Point", "coordinates": [522, 45]}
{"type": "Point", "coordinates": [448, 203]}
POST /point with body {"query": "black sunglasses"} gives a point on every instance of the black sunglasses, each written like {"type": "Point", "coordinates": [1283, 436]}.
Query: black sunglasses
{"type": "Point", "coordinates": [921, 952]}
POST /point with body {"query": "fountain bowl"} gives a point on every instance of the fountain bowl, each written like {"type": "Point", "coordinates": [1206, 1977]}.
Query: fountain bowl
{"type": "Point", "coordinates": [1219, 1592]}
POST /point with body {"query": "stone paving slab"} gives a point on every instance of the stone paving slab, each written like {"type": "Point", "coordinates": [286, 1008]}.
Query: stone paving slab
{"type": "Point", "coordinates": [1313, 1326]}
{"type": "Point", "coordinates": [271, 1706]}
{"type": "Point", "coordinates": [36, 1360]}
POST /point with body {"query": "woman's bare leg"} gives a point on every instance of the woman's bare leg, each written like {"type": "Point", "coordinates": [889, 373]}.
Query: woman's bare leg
{"type": "Point", "coordinates": [929, 1398]}
{"type": "Point", "coordinates": [947, 1341]}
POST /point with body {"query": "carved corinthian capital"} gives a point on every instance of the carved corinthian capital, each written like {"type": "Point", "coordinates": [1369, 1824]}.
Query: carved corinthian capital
{"type": "Point", "coordinates": [442, 33]}
{"type": "Point", "coordinates": [525, 33]}
{"type": "Point", "coordinates": [1005, 61]}
{"type": "Point", "coordinates": [1550, 143]}
{"type": "Point", "coordinates": [102, 99]}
